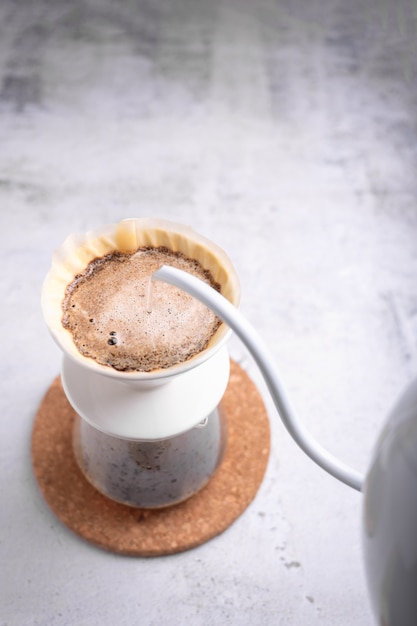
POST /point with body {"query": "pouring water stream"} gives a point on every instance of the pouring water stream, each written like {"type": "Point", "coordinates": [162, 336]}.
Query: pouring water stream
{"type": "Point", "coordinates": [231, 316]}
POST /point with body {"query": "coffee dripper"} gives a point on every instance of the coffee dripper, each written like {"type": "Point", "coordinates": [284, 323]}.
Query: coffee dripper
{"type": "Point", "coordinates": [389, 520]}
{"type": "Point", "coordinates": [145, 439]}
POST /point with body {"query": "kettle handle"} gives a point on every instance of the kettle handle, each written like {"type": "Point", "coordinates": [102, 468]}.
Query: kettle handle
{"type": "Point", "coordinates": [231, 316]}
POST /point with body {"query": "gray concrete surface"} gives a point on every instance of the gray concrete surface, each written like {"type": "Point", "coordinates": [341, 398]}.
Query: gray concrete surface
{"type": "Point", "coordinates": [285, 132]}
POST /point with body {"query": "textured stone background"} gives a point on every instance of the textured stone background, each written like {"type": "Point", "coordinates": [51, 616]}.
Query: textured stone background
{"type": "Point", "coordinates": [286, 132]}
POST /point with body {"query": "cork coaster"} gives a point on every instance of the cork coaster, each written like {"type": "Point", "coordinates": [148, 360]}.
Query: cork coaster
{"type": "Point", "coordinates": [140, 532]}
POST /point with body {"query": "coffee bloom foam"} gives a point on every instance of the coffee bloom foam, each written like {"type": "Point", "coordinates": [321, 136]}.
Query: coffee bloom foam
{"type": "Point", "coordinates": [120, 318]}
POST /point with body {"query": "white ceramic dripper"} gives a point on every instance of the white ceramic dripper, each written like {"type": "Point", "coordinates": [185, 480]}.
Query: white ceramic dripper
{"type": "Point", "coordinates": [129, 423]}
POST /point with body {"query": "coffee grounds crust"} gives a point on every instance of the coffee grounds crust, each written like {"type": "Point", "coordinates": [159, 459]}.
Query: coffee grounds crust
{"type": "Point", "coordinates": [121, 319]}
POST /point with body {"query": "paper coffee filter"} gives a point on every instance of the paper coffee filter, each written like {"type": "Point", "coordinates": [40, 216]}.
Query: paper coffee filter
{"type": "Point", "coordinates": [78, 250]}
{"type": "Point", "coordinates": [134, 233]}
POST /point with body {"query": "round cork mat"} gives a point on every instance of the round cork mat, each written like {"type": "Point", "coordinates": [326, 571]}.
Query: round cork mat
{"type": "Point", "coordinates": [140, 532]}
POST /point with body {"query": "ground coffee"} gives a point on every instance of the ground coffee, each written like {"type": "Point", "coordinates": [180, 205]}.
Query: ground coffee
{"type": "Point", "coordinates": [120, 318]}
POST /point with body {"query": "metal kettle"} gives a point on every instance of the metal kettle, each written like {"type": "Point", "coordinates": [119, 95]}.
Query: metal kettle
{"type": "Point", "coordinates": [389, 487]}
{"type": "Point", "coordinates": [390, 517]}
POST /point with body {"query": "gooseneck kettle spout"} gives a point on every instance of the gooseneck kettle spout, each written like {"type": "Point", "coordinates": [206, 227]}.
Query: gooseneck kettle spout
{"type": "Point", "coordinates": [231, 316]}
